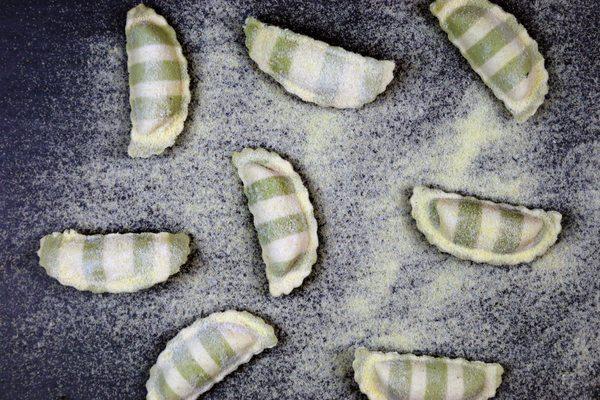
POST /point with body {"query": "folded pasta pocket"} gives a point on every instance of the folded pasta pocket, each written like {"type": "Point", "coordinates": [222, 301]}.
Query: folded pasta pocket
{"type": "Point", "coordinates": [114, 262]}
{"type": "Point", "coordinates": [315, 71]}
{"type": "Point", "coordinates": [393, 376]}
{"type": "Point", "coordinates": [159, 85]}
{"type": "Point", "coordinates": [283, 217]}
{"type": "Point", "coordinates": [205, 352]}
{"type": "Point", "coordinates": [482, 231]}
{"type": "Point", "coordinates": [499, 49]}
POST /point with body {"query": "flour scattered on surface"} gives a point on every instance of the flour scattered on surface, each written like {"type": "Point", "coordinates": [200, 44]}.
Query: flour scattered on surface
{"type": "Point", "coordinates": [378, 283]}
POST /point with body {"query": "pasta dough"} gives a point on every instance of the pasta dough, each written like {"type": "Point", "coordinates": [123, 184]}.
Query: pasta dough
{"type": "Point", "coordinates": [499, 50]}
{"type": "Point", "coordinates": [393, 376]}
{"type": "Point", "coordinates": [159, 91]}
{"type": "Point", "coordinates": [283, 217]}
{"type": "Point", "coordinates": [315, 71]}
{"type": "Point", "coordinates": [114, 262]}
{"type": "Point", "coordinates": [205, 352]}
{"type": "Point", "coordinates": [483, 231]}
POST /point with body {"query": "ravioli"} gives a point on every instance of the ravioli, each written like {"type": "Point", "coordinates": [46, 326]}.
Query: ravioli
{"type": "Point", "coordinates": [115, 262]}
{"type": "Point", "coordinates": [205, 352]}
{"type": "Point", "coordinates": [159, 85]}
{"type": "Point", "coordinates": [283, 217]}
{"type": "Point", "coordinates": [393, 376]}
{"type": "Point", "coordinates": [315, 71]}
{"type": "Point", "coordinates": [482, 231]}
{"type": "Point", "coordinates": [499, 49]}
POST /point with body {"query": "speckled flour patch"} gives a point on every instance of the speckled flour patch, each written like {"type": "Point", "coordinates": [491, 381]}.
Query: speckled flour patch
{"type": "Point", "coordinates": [377, 283]}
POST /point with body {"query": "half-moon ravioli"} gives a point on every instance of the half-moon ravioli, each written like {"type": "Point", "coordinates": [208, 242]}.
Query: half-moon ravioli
{"type": "Point", "coordinates": [114, 262]}
{"type": "Point", "coordinates": [393, 376]}
{"type": "Point", "coordinates": [159, 91]}
{"type": "Point", "coordinates": [205, 352]}
{"type": "Point", "coordinates": [499, 49]}
{"type": "Point", "coordinates": [483, 231]}
{"type": "Point", "coordinates": [315, 71]}
{"type": "Point", "coordinates": [283, 217]}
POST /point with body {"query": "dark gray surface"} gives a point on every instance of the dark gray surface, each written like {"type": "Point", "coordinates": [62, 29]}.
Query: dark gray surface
{"type": "Point", "coordinates": [63, 165]}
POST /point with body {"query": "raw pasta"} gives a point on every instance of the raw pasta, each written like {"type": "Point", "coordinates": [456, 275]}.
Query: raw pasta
{"type": "Point", "coordinates": [393, 376]}
{"type": "Point", "coordinates": [283, 217]}
{"type": "Point", "coordinates": [483, 231]}
{"type": "Point", "coordinates": [499, 49]}
{"type": "Point", "coordinates": [205, 352]}
{"type": "Point", "coordinates": [315, 71]}
{"type": "Point", "coordinates": [159, 91]}
{"type": "Point", "coordinates": [114, 262]}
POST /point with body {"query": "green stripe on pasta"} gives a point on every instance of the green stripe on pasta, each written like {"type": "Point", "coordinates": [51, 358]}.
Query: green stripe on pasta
{"type": "Point", "coordinates": [281, 56]}
{"type": "Point", "coordinates": [437, 380]}
{"type": "Point", "coordinates": [156, 60]}
{"type": "Point", "coordinates": [143, 253]}
{"type": "Point", "coordinates": [514, 71]}
{"type": "Point", "coordinates": [491, 44]}
{"type": "Point", "coordinates": [463, 18]}
{"type": "Point", "coordinates": [433, 214]}
{"type": "Point", "coordinates": [495, 44]}
{"type": "Point", "coordinates": [165, 390]}
{"type": "Point", "coordinates": [112, 263]}
{"type": "Point", "coordinates": [145, 34]}
{"type": "Point", "coordinates": [394, 376]}
{"type": "Point", "coordinates": [200, 356]}
{"type": "Point", "coordinates": [216, 346]}
{"type": "Point", "coordinates": [268, 188]}
{"type": "Point", "coordinates": [188, 368]}
{"type": "Point", "coordinates": [251, 30]}
{"type": "Point", "coordinates": [469, 223]}
{"type": "Point", "coordinates": [510, 232]}
{"type": "Point", "coordinates": [474, 378]}
{"type": "Point", "coordinates": [279, 269]}
{"type": "Point", "coordinates": [151, 71]}
{"type": "Point", "coordinates": [92, 261]}
{"type": "Point", "coordinates": [483, 231]}
{"type": "Point", "coordinates": [283, 217]}
{"type": "Point", "coordinates": [315, 71]}
{"type": "Point", "coordinates": [151, 108]}
{"type": "Point", "coordinates": [280, 228]}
